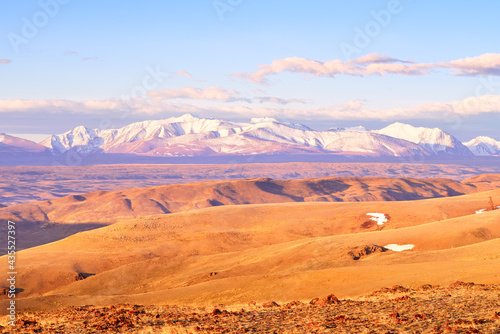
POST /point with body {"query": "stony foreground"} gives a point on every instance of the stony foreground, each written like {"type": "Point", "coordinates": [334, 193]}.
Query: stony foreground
{"type": "Point", "coordinates": [458, 308]}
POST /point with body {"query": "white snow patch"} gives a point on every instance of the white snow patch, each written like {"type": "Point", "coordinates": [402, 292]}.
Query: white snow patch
{"type": "Point", "coordinates": [399, 248]}
{"type": "Point", "coordinates": [380, 218]}
{"type": "Point", "coordinates": [484, 210]}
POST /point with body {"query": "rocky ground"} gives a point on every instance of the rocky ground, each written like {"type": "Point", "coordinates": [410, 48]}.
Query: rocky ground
{"type": "Point", "coordinates": [458, 308]}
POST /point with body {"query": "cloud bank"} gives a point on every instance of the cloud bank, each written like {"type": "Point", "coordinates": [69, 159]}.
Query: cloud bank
{"type": "Point", "coordinates": [211, 93]}
{"type": "Point", "coordinates": [160, 102]}
{"type": "Point", "coordinates": [373, 64]}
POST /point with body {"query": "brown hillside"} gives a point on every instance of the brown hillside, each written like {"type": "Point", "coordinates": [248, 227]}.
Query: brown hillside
{"type": "Point", "coordinates": [110, 207]}
{"type": "Point", "coordinates": [288, 251]}
{"type": "Point", "coordinates": [484, 181]}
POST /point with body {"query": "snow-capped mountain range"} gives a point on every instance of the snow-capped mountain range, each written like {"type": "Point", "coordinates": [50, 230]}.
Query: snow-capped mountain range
{"type": "Point", "coordinates": [192, 136]}
{"type": "Point", "coordinates": [484, 146]}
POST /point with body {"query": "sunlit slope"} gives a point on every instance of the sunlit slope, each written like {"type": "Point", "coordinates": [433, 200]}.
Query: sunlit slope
{"type": "Point", "coordinates": [110, 207]}
{"type": "Point", "coordinates": [229, 254]}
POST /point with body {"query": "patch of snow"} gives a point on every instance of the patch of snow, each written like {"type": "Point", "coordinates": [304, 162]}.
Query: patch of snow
{"type": "Point", "coordinates": [399, 248]}
{"type": "Point", "coordinates": [380, 218]}
{"type": "Point", "coordinates": [484, 210]}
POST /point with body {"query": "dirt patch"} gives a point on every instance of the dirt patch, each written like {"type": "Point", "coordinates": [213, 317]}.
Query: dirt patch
{"type": "Point", "coordinates": [368, 224]}
{"type": "Point", "coordinates": [364, 251]}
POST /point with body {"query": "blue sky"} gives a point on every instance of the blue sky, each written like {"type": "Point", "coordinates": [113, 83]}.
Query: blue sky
{"type": "Point", "coordinates": [426, 63]}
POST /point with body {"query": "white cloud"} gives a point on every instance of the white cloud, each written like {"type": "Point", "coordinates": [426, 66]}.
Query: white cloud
{"type": "Point", "coordinates": [350, 110]}
{"type": "Point", "coordinates": [211, 93]}
{"type": "Point", "coordinates": [373, 64]}
{"type": "Point", "coordinates": [216, 94]}
{"type": "Point", "coordinates": [277, 100]}
{"type": "Point", "coordinates": [356, 110]}
{"type": "Point", "coordinates": [55, 106]}
{"type": "Point", "coordinates": [184, 73]}
{"type": "Point", "coordinates": [369, 64]}
{"type": "Point", "coordinates": [485, 64]}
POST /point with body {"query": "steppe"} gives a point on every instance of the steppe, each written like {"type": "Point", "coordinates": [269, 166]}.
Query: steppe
{"type": "Point", "coordinates": [21, 184]}
{"type": "Point", "coordinates": [231, 255]}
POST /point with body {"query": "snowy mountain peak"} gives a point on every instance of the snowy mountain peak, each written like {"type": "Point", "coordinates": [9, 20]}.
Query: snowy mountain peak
{"type": "Point", "coordinates": [484, 146]}
{"type": "Point", "coordinates": [188, 135]}
{"type": "Point", "coordinates": [406, 130]}
{"type": "Point", "coordinates": [80, 129]}
{"type": "Point", "coordinates": [183, 119]}
{"type": "Point", "coordinates": [81, 139]}
{"type": "Point", "coordinates": [482, 139]}
{"type": "Point", "coordinates": [434, 140]}
{"type": "Point", "coordinates": [264, 122]}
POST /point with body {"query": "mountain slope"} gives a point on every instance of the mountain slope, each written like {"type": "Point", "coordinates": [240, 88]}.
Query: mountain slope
{"type": "Point", "coordinates": [14, 144]}
{"type": "Point", "coordinates": [435, 141]}
{"type": "Point", "coordinates": [188, 135]}
{"type": "Point", "coordinates": [484, 146]}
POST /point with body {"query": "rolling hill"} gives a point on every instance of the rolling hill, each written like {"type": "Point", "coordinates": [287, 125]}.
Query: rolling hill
{"type": "Point", "coordinates": [112, 206]}
{"type": "Point", "coordinates": [235, 254]}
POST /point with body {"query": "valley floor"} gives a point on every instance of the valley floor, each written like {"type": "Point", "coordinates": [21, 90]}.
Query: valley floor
{"type": "Point", "coordinates": [22, 184]}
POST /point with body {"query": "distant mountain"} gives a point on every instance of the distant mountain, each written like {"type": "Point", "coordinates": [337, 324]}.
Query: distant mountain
{"type": "Point", "coordinates": [435, 141]}
{"type": "Point", "coordinates": [484, 146]}
{"type": "Point", "coordinates": [191, 136]}
{"type": "Point", "coordinates": [12, 144]}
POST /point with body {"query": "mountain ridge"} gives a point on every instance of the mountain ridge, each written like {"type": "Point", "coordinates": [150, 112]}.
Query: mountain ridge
{"type": "Point", "coordinates": [483, 146]}
{"type": "Point", "coordinates": [110, 206]}
{"type": "Point", "coordinates": [13, 144]}
{"type": "Point", "coordinates": [188, 135]}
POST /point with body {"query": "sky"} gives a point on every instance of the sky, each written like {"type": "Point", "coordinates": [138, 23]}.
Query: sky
{"type": "Point", "coordinates": [106, 64]}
